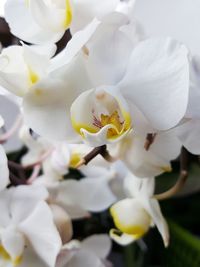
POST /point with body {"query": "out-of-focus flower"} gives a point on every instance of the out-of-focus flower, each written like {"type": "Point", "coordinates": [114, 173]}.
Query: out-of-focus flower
{"type": "Point", "coordinates": [48, 20]}
{"type": "Point", "coordinates": [25, 217]}
{"type": "Point", "coordinates": [92, 251]}
{"type": "Point", "coordinates": [64, 193]}
{"type": "Point", "coordinates": [134, 215]}
{"type": "Point", "coordinates": [26, 64]}
{"type": "Point", "coordinates": [97, 199]}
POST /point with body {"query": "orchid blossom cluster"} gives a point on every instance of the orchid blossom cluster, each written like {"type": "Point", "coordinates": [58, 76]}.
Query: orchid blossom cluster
{"type": "Point", "coordinates": [114, 104]}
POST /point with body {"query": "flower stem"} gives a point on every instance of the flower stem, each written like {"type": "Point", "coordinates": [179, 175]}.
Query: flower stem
{"type": "Point", "coordinates": [184, 162]}
{"type": "Point", "coordinates": [101, 150]}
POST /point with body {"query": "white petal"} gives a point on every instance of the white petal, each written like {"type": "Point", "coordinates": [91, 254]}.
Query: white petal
{"type": "Point", "coordinates": [33, 194]}
{"type": "Point", "coordinates": [107, 64]}
{"type": "Point", "coordinates": [46, 107]}
{"type": "Point", "coordinates": [4, 171]}
{"type": "Point", "coordinates": [153, 162]}
{"type": "Point", "coordinates": [134, 185]}
{"type": "Point", "coordinates": [99, 198]}
{"type": "Point", "coordinates": [13, 242]}
{"type": "Point", "coordinates": [42, 234]}
{"type": "Point", "coordinates": [189, 134]}
{"type": "Point", "coordinates": [193, 110]}
{"type": "Point", "coordinates": [85, 258]}
{"type": "Point", "coordinates": [65, 255]}
{"type": "Point", "coordinates": [67, 199]}
{"type": "Point", "coordinates": [157, 81]}
{"type": "Point", "coordinates": [18, 15]}
{"type": "Point", "coordinates": [99, 244]}
{"type": "Point", "coordinates": [36, 61]}
{"type": "Point", "coordinates": [63, 223]}
{"type": "Point", "coordinates": [48, 17]}
{"type": "Point", "coordinates": [85, 10]}
{"type": "Point", "coordinates": [5, 198]}
{"type": "Point", "coordinates": [30, 259]}
{"type": "Point", "coordinates": [61, 157]}
{"type": "Point", "coordinates": [152, 206]}
{"type": "Point", "coordinates": [122, 239]}
{"type": "Point", "coordinates": [126, 7]}
{"type": "Point", "coordinates": [12, 67]}
{"type": "Point", "coordinates": [74, 46]}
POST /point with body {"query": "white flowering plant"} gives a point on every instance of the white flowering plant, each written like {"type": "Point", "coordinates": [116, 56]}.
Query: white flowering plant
{"type": "Point", "coordinates": [108, 123]}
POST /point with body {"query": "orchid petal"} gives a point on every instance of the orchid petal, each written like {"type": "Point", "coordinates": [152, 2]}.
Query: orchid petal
{"type": "Point", "coordinates": [42, 234]}
{"type": "Point", "coordinates": [188, 133]}
{"type": "Point", "coordinates": [107, 65]}
{"type": "Point", "coordinates": [33, 194]}
{"type": "Point", "coordinates": [85, 10]}
{"type": "Point", "coordinates": [51, 99]}
{"type": "Point", "coordinates": [152, 206]}
{"type": "Point", "coordinates": [122, 239]}
{"type": "Point", "coordinates": [63, 223]}
{"type": "Point", "coordinates": [158, 70]}
{"type": "Point", "coordinates": [99, 244]}
{"type": "Point", "coordinates": [85, 258]}
{"type": "Point", "coordinates": [14, 243]}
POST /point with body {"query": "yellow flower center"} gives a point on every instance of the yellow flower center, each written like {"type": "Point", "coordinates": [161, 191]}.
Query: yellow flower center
{"type": "Point", "coordinates": [118, 128]}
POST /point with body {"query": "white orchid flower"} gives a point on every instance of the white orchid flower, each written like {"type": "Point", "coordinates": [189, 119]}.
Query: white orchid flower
{"type": "Point", "coordinates": [134, 215]}
{"type": "Point", "coordinates": [25, 64]}
{"type": "Point", "coordinates": [26, 217]}
{"type": "Point", "coordinates": [156, 69]}
{"type": "Point", "coordinates": [92, 251]}
{"type": "Point", "coordinates": [54, 102]}
{"type": "Point", "coordinates": [73, 196]}
{"type": "Point", "coordinates": [48, 20]}
{"type": "Point", "coordinates": [144, 162]}
{"type": "Point", "coordinates": [64, 193]}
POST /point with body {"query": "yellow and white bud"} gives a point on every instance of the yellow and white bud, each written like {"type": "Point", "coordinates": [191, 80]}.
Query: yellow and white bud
{"type": "Point", "coordinates": [131, 218]}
